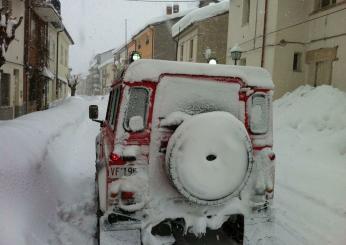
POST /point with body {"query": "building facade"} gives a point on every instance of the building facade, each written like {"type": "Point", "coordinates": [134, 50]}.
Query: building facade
{"type": "Point", "coordinates": [12, 94]}
{"type": "Point", "coordinates": [202, 34]}
{"type": "Point", "coordinates": [299, 42]}
{"type": "Point", "coordinates": [101, 73]}
{"type": "Point", "coordinates": [93, 79]}
{"type": "Point", "coordinates": [120, 60]}
{"type": "Point", "coordinates": [107, 71]}
{"type": "Point", "coordinates": [155, 40]}
{"type": "Point", "coordinates": [63, 46]}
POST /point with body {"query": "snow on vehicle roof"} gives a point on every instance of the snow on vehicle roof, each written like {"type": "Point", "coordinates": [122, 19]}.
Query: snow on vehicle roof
{"type": "Point", "coordinates": [199, 14]}
{"type": "Point", "coordinates": [150, 70]}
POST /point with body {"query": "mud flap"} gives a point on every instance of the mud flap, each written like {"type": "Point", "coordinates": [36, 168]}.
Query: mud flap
{"type": "Point", "coordinates": [121, 233]}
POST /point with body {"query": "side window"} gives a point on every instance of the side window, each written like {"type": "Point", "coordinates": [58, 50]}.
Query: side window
{"type": "Point", "coordinates": [114, 107]}
{"type": "Point", "coordinates": [109, 107]}
{"type": "Point", "coordinates": [246, 12]}
{"type": "Point", "coordinates": [137, 105]}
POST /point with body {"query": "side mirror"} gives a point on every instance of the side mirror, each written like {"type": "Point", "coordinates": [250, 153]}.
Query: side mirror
{"type": "Point", "coordinates": [93, 112]}
{"type": "Point", "coordinates": [136, 123]}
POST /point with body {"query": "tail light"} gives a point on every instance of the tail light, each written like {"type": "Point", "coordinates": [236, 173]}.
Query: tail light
{"type": "Point", "coordinates": [128, 198]}
{"type": "Point", "coordinates": [272, 156]}
{"type": "Point", "coordinates": [259, 113]}
{"type": "Point", "coordinates": [113, 195]}
{"type": "Point", "coordinates": [126, 195]}
{"type": "Point", "coordinates": [115, 159]}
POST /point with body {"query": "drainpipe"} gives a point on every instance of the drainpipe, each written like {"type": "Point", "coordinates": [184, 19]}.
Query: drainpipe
{"type": "Point", "coordinates": [152, 42]}
{"type": "Point", "coordinates": [177, 42]}
{"type": "Point", "coordinates": [57, 60]}
{"type": "Point", "coordinates": [264, 32]}
{"type": "Point", "coordinates": [27, 22]}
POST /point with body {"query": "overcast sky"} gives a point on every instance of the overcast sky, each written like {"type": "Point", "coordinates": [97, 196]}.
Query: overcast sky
{"type": "Point", "coordinates": [99, 25]}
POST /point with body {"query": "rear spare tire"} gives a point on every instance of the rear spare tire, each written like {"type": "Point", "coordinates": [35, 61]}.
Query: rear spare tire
{"type": "Point", "coordinates": [209, 158]}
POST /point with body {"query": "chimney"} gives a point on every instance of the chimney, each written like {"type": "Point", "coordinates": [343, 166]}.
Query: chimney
{"type": "Point", "coordinates": [203, 3]}
{"type": "Point", "coordinates": [176, 8]}
{"type": "Point", "coordinates": [169, 9]}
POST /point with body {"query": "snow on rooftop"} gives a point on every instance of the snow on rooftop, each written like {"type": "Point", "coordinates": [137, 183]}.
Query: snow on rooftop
{"type": "Point", "coordinates": [109, 61]}
{"type": "Point", "coordinates": [199, 14]}
{"type": "Point", "coordinates": [150, 70]}
{"type": "Point", "coordinates": [162, 18]}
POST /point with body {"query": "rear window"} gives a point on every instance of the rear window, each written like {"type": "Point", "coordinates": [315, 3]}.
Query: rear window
{"type": "Point", "coordinates": [137, 105]}
{"type": "Point", "coordinates": [195, 96]}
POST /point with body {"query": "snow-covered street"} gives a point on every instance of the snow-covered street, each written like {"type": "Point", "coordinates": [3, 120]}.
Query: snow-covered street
{"type": "Point", "coordinates": [47, 171]}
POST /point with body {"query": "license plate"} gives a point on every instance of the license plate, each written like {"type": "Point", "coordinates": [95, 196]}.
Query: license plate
{"type": "Point", "coordinates": [118, 172]}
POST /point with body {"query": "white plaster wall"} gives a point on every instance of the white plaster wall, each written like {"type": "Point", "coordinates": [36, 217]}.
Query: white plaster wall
{"type": "Point", "coordinates": [52, 35]}
{"type": "Point", "coordinates": [15, 55]}
{"type": "Point", "coordinates": [185, 38]}
{"type": "Point", "coordinates": [301, 26]}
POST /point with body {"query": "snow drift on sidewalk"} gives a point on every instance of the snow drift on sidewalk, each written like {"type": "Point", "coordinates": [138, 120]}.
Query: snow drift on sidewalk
{"type": "Point", "coordinates": [44, 163]}
{"type": "Point", "coordinates": [310, 143]}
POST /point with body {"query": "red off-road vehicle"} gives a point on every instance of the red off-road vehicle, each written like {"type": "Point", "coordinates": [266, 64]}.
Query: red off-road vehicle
{"type": "Point", "coordinates": [184, 155]}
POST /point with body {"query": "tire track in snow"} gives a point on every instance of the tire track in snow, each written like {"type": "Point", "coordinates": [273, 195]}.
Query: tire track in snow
{"type": "Point", "coordinates": [75, 217]}
{"type": "Point", "coordinates": [310, 226]}
{"type": "Point", "coordinates": [336, 211]}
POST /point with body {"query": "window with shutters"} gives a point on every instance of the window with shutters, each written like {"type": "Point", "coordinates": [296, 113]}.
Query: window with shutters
{"type": "Point", "coordinates": [5, 89]}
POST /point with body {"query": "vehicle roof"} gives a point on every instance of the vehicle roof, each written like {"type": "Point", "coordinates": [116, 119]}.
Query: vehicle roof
{"type": "Point", "coordinates": [150, 70]}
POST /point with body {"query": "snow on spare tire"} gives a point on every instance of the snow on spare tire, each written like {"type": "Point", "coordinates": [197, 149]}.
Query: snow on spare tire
{"type": "Point", "coordinates": [209, 158]}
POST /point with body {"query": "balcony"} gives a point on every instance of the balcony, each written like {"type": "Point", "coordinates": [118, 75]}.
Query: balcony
{"type": "Point", "coordinates": [56, 4]}
{"type": "Point", "coordinates": [48, 11]}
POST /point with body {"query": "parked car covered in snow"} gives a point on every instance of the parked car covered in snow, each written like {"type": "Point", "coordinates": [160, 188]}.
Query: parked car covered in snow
{"type": "Point", "coordinates": [185, 155]}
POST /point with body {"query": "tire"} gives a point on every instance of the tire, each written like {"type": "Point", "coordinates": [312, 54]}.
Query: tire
{"type": "Point", "coordinates": [209, 158]}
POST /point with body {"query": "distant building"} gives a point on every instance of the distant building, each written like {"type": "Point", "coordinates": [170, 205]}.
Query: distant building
{"type": "Point", "coordinates": [82, 85]}
{"type": "Point", "coordinates": [59, 41]}
{"type": "Point", "coordinates": [202, 34]}
{"type": "Point", "coordinates": [131, 47]}
{"type": "Point", "coordinates": [106, 70]}
{"type": "Point", "coordinates": [299, 42]}
{"type": "Point", "coordinates": [120, 60]}
{"type": "Point", "coordinates": [93, 80]}
{"type": "Point", "coordinates": [155, 40]}
{"type": "Point", "coordinates": [101, 73]}
{"type": "Point", "coordinates": [27, 77]}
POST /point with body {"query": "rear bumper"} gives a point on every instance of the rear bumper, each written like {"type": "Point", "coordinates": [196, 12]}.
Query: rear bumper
{"type": "Point", "coordinates": [238, 229]}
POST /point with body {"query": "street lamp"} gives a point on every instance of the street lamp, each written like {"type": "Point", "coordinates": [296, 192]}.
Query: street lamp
{"type": "Point", "coordinates": [212, 61]}
{"type": "Point", "coordinates": [236, 53]}
{"type": "Point", "coordinates": [135, 56]}
{"type": "Point", "coordinates": [207, 54]}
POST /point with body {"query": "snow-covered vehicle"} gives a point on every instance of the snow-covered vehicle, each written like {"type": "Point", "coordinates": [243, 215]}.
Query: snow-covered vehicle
{"type": "Point", "coordinates": [185, 155]}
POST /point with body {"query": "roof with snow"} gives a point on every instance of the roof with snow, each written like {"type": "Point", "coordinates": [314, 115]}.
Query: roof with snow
{"type": "Point", "coordinates": [150, 70]}
{"type": "Point", "coordinates": [106, 62]}
{"type": "Point", "coordinates": [161, 19]}
{"type": "Point", "coordinates": [213, 9]}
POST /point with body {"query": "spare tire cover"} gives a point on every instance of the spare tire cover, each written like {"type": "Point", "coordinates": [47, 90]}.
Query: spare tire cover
{"type": "Point", "coordinates": [209, 157]}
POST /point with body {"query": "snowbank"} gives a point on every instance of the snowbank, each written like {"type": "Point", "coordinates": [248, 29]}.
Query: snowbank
{"type": "Point", "coordinates": [310, 143]}
{"type": "Point", "coordinates": [199, 14]}
{"type": "Point", "coordinates": [46, 176]}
